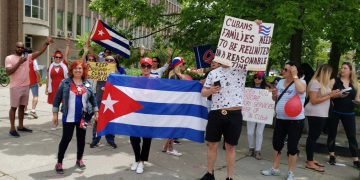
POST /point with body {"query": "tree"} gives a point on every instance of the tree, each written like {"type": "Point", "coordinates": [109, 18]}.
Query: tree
{"type": "Point", "coordinates": [299, 24]}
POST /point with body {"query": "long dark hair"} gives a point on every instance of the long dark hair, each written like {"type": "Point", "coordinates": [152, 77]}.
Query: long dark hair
{"type": "Point", "coordinates": [298, 67]}
{"type": "Point", "coordinates": [263, 83]}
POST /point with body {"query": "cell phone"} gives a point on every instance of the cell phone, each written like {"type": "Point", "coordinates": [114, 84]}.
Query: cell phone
{"type": "Point", "coordinates": [25, 53]}
{"type": "Point", "coordinates": [346, 91]}
{"type": "Point", "coordinates": [217, 83]}
{"type": "Point", "coordinates": [356, 102]}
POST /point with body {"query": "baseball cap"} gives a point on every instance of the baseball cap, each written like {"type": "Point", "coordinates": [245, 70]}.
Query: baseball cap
{"type": "Point", "coordinates": [177, 61]}
{"type": "Point", "coordinates": [146, 60]}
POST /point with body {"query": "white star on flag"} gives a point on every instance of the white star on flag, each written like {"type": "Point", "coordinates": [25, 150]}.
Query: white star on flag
{"type": "Point", "coordinates": [101, 33]}
{"type": "Point", "coordinates": [109, 103]}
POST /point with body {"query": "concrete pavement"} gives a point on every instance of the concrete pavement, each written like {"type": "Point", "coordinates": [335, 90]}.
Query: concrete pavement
{"type": "Point", "coordinates": [33, 156]}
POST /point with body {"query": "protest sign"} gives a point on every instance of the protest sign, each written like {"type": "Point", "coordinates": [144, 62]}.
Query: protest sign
{"type": "Point", "coordinates": [204, 56]}
{"type": "Point", "coordinates": [258, 106]}
{"type": "Point", "coordinates": [100, 71]}
{"type": "Point", "coordinates": [244, 44]}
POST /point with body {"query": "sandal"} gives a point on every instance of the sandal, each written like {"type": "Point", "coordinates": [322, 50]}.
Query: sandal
{"type": "Point", "coordinates": [317, 169]}
{"type": "Point", "coordinates": [318, 164]}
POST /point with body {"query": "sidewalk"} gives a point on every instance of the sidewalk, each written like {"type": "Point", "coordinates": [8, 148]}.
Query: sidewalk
{"type": "Point", "coordinates": [33, 156]}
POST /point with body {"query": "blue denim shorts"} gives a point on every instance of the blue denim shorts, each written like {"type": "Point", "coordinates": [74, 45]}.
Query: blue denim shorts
{"type": "Point", "coordinates": [35, 90]}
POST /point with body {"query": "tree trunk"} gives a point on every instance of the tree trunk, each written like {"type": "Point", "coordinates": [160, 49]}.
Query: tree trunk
{"type": "Point", "coordinates": [296, 46]}
{"type": "Point", "coordinates": [335, 54]}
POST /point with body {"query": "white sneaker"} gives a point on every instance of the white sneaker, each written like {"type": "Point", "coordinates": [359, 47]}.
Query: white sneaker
{"type": "Point", "coordinates": [271, 172]}
{"type": "Point", "coordinates": [53, 128]}
{"type": "Point", "coordinates": [134, 166]}
{"type": "Point", "coordinates": [140, 168]}
{"type": "Point", "coordinates": [174, 152]}
{"type": "Point", "coordinates": [290, 176]}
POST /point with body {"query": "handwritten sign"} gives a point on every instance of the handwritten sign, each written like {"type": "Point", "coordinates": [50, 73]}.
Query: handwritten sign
{"type": "Point", "coordinates": [258, 106]}
{"type": "Point", "coordinates": [100, 70]}
{"type": "Point", "coordinates": [244, 44]}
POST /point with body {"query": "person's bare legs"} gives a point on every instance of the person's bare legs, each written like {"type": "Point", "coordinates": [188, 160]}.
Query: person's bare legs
{"type": "Point", "coordinates": [21, 116]}
{"type": "Point", "coordinates": [276, 160]}
{"type": "Point", "coordinates": [211, 158]}
{"type": "Point", "coordinates": [230, 159]}
{"type": "Point", "coordinates": [12, 112]}
{"type": "Point", "coordinates": [292, 162]}
{"type": "Point", "coordinates": [34, 102]}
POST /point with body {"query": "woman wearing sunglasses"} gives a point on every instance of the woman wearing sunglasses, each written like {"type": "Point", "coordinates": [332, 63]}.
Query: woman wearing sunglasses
{"type": "Point", "coordinates": [156, 68]}
{"type": "Point", "coordinates": [57, 71]}
{"type": "Point", "coordinates": [289, 95]}
{"type": "Point", "coordinates": [255, 143]}
{"type": "Point", "coordinates": [142, 152]}
{"type": "Point", "coordinates": [100, 85]}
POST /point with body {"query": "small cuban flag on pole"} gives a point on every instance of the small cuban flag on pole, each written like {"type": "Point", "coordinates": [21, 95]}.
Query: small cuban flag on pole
{"type": "Point", "coordinates": [110, 39]}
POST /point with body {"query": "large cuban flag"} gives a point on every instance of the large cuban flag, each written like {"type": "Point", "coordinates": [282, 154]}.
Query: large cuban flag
{"type": "Point", "coordinates": [154, 108]}
{"type": "Point", "coordinates": [110, 39]}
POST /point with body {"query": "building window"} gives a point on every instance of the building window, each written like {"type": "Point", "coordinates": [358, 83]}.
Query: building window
{"type": "Point", "coordinates": [87, 24]}
{"type": "Point", "coordinates": [78, 25]}
{"type": "Point", "coordinates": [69, 21]}
{"type": "Point", "coordinates": [35, 9]}
{"type": "Point", "coordinates": [28, 41]}
{"type": "Point", "coordinates": [60, 20]}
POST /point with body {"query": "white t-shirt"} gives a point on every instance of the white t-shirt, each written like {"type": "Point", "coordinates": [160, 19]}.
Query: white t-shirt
{"type": "Point", "coordinates": [321, 109]}
{"type": "Point", "coordinates": [36, 66]}
{"type": "Point", "coordinates": [160, 71]}
{"type": "Point", "coordinates": [290, 92]}
{"type": "Point", "coordinates": [232, 87]}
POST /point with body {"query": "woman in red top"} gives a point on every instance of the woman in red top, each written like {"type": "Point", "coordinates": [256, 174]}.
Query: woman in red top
{"type": "Point", "coordinates": [57, 71]}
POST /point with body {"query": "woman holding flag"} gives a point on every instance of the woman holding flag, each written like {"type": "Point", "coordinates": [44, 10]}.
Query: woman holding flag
{"type": "Point", "coordinates": [142, 153]}
{"type": "Point", "coordinates": [78, 100]}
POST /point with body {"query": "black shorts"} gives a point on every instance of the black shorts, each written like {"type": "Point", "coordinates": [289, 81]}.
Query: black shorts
{"type": "Point", "coordinates": [228, 125]}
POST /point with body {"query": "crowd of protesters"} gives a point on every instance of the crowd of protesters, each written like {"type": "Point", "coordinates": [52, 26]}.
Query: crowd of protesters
{"type": "Point", "coordinates": [321, 98]}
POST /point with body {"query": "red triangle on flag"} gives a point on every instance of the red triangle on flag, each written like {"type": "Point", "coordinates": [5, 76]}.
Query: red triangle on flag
{"type": "Point", "coordinates": [100, 32]}
{"type": "Point", "coordinates": [115, 104]}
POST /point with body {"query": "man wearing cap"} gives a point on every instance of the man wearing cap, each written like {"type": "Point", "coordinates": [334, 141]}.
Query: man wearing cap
{"type": "Point", "coordinates": [226, 85]}
{"type": "Point", "coordinates": [100, 86]}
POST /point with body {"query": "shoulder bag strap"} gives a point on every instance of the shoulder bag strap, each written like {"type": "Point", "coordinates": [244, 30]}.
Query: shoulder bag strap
{"type": "Point", "coordinates": [292, 82]}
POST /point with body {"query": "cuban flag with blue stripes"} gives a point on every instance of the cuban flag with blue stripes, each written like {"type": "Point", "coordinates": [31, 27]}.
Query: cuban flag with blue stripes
{"type": "Point", "coordinates": [153, 108]}
{"type": "Point", "coordinates": [110, 39]}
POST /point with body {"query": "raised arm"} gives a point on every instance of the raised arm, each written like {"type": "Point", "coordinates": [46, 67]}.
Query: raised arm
{"type": "Point", "coordinates": [42, 50]}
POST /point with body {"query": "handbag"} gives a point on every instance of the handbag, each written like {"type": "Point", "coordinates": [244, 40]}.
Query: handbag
{"type": "Point", "coordinates": [277, 100]}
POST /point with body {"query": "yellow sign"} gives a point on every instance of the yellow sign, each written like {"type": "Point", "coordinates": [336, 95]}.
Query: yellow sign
{"type": "Point", "coordinates": [100, 70]}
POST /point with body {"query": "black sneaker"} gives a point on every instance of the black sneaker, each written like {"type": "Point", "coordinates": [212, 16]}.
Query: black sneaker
{"type": "Point", "coordinates": [229, 178]}
{"type": "Point", "coordinates": [332, 160]}
{"type": "Point", "coordinates": [93, 145]}
{"type": "Point", "coordinates": [177, 142]}
{"type": "Point", "coordinates": [356, 164]}
{"type": "Point", "coordinates": [208, 176]}
{"type": "Point", "coordinates": [59, 169]}
{"type": "Point", "coordinates": [24, 129]}
{"type": "Point", "coordinates": [14, 134]}
{"type": "Point", "coordinates": [113, 145]}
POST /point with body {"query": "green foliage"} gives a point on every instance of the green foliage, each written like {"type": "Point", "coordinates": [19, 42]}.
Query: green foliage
{"type": "Point", "coordinates": [81, 41]}
{"type": "Point", "coordinates": [200, 22]}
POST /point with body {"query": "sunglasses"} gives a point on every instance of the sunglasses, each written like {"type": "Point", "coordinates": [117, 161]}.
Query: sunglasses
{"type": "Point", "coordinates": [58, 57]}
{"type": "Point", "coordinates": [92, 60]}
{"type": "Point", "coordinates": [19, 47]}
{"type": "Point", "coordinates": [155, 61]}
{"type": "Point", "coordinates": [146, 66]}
{"type": "Point", "coordinates": [285, 69]}
{"type": "Point", "coordinates": [259, 78]}
{"type": "Point", "coordinates": [109, 60]}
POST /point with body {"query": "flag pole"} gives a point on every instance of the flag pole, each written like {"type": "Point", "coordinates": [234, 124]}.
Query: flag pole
{"type": "Point", "coordinates": [92, 29]}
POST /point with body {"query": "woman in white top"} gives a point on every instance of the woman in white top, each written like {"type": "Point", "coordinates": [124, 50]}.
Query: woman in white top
{"type": "Point", "coordinates": [317, 110]}
{"type": "Point", "coordinates": [155, 68]}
